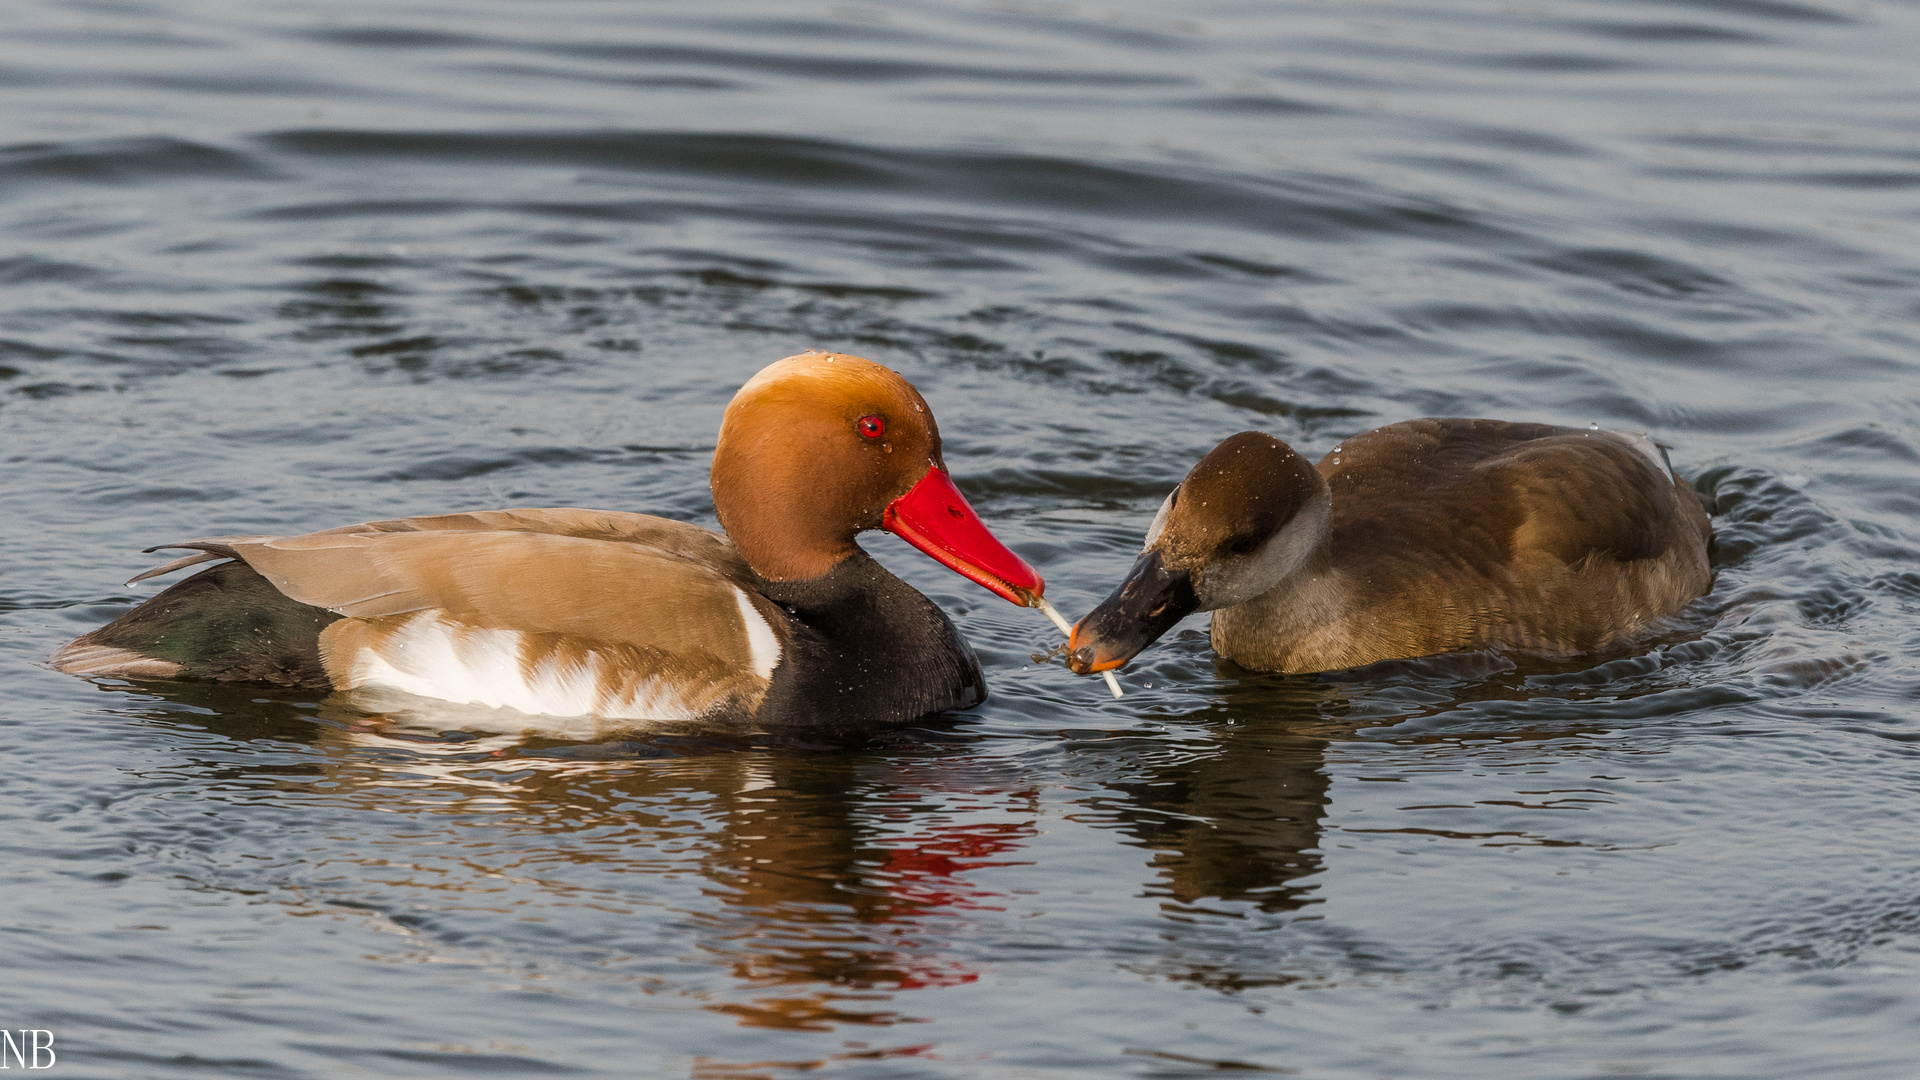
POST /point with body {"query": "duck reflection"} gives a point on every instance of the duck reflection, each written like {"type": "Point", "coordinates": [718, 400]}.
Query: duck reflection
{"type": "Point", "coordinates": [832, 868]}
{"type": "Point", "coordinates": [1240, 824]}
{"type": "Point", "coordinates": [1232, 803]}
{"type": "Point", "coordinates": [825, 885]}
{"type": "Point", "coordinates": [1229, 800]}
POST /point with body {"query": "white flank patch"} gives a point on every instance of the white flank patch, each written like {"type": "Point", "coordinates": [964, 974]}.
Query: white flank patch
{"type": "Point", "coordinates": [761, 642]}
{"type": "Point", "coordinates": [435, 657]}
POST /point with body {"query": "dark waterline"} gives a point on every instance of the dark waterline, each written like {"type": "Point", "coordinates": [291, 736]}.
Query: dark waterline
{"type": "Point", "coordinates": [268, 268]}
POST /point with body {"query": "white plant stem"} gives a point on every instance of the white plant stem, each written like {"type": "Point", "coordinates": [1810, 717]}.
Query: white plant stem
{"type": "Point", "coordinates": [1066, 628]}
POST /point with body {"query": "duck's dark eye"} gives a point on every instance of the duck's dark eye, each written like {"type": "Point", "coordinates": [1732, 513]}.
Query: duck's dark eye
{"type": "Point", "coordinates": [1243, 545]}
{"type": "Point", "coordinates": [871, 427]}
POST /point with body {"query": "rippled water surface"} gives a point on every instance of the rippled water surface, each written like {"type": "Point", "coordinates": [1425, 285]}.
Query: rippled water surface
{"type": "Point", "coordinates": [271, 267]}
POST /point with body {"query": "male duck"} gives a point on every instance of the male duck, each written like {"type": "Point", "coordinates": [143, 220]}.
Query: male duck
{"type": "Point", "coordinates": [1420, 537]}
{"type": "Point", "coordinates": [783, 622]}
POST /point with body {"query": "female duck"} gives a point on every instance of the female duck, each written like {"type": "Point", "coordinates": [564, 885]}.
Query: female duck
{"type": "Point", "coordinates": [1421, 537]}
{"type": "Point", "coordinates": [784, 621]}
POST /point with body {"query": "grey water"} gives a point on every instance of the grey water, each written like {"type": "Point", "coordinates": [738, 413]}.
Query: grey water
{"type": "Point", "coordinates": [274, 266]}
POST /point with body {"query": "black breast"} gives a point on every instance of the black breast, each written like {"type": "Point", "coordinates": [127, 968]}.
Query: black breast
{"type": "Point", "coordinates": [868, 652]}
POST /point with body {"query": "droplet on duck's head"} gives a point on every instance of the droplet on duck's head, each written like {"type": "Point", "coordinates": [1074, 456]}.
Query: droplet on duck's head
{"type": "Point", "coordinates": [1249, 486]}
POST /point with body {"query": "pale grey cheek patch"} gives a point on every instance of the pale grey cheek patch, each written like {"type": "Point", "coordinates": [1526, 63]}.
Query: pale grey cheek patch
{"type": "Point", "coordinates": [1239, 580]}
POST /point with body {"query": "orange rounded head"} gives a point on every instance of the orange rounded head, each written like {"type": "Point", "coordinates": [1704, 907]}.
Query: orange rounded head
{"type": "Point", "coordinates": [820, 447]}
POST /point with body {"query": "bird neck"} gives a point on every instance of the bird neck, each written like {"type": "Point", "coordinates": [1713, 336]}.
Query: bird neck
{"type": "Point", "coordinates": [873, 652]}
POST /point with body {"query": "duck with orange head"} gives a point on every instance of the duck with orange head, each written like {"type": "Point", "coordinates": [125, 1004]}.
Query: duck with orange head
{"type": "Point", "coordinates": [784, 622]}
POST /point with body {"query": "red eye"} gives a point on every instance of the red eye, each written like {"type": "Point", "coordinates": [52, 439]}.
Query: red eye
{"type": "Point", "coordinates": [872, 427]}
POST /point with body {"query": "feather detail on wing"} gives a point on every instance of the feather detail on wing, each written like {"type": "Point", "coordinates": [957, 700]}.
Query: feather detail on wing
{"type": "Point", "coordinates": [614, 526]}
{"type": "Point", "coordinates": [1460, 533]}
{"type": "Point", "coordinates": [558, 611]}
{"type": "Point", "coordinates": [207, 549]}
{"type": "Point", "coordinates": [671, 537]}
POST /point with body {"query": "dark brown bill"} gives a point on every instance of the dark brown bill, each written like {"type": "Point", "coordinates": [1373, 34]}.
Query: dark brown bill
{"type": "Point", "coordinates": [1145, 606]}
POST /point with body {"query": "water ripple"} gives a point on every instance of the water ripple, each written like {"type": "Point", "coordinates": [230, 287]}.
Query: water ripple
{"type": "Point", "coordinates": [272, 269]}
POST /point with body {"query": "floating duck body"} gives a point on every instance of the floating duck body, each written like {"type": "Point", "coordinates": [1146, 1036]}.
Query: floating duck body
{"type": "Point", "coordinates": [784, 622]}
{"type": "Point", "coordinates": [1421, 537]}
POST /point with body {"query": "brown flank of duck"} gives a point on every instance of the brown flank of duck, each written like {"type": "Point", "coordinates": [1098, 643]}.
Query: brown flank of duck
{"type": "Point", "coordinates": [566, 612]}
{"type": "Point", "coordinates": [1422, 537]}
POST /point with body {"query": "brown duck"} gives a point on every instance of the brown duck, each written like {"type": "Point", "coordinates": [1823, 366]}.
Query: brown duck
{"type": "Point", "coordinates": [1422, 537]}
{"type": "Point", "coordinates": [782, 622]}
